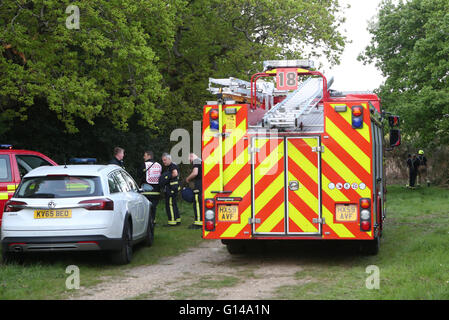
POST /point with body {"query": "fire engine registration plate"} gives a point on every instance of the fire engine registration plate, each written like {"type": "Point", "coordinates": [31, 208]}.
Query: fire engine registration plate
{"type": "Point", "coordinates": [346, 212]}
{"type": "Point", "coordinates": [228, 213]}
{"type": "Point", "coordinates": [52, 213]}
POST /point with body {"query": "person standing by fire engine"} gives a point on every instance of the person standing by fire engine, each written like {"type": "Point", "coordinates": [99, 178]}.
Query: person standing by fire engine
{"type": "Point", "coordinates": [412, 164]}
{"type": "Point", "coordinates": [196, 177]}
{"type": "Point", "coordinates": [149, 174]}
{"type": "Point", "coordinates": [170, 180]}
{"type": "Point", "coordinates": [422, 168]}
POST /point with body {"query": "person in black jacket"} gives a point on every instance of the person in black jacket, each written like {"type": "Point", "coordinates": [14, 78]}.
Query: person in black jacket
{"type": "Point", "coordinates": [422, 168]}
{"type": "Point", "coordinates": [412, 164]}
{"type": "Point", "coordinates": [119, 154]}
{"type": "Point", "coordinates": [196, 177]}
{"type": "Point", "coordinates": [170, 176]}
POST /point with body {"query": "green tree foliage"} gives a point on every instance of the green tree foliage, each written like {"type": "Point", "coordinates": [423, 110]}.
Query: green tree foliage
{"type": "Point", "coordinates": [137, 69]}
{"type": "Point", "coordinates": [106, 68]}
{"type": "Point", "coordinates": [411, 46]}
{"type": "Point", "coordinates": [224, 38]}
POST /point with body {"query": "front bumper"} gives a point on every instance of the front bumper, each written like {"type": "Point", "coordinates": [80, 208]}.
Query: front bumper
{"type": "Point", "coordinates": [62, 243]}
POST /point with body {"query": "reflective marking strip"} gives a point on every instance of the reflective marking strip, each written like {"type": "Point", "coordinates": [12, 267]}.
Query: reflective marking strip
{"type": "Point", "coordinates": [197, 202]}
{"type": "Point", "coordinates": [335, 194]}
{"type": "Point", "coordinates": [364, 132]}
{"type": "Point", "coordinates": [172, 214]}
{"type": "Point", "coordinates": [4, 196]}
{"type": "Point", "coordinates": [272, 221]}
{"type": "Point", "coordinates": [300, 220]}
{"type": "Point", "coordinates": [11, 187]}
{"type": "Point", "coordinates": [349, 146]}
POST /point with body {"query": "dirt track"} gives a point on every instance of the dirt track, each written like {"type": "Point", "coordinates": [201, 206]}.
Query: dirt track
{"type": "Point", "coordinates": [205, 272]}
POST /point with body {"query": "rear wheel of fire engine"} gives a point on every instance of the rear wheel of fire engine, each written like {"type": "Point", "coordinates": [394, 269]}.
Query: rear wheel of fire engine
{"type": "Point", "coordinates": [370, 247]}
{"type": "Point", "coordinates": [236, 247]}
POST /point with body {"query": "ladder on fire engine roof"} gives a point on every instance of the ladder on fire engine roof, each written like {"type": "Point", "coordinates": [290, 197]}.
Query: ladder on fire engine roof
{"type": "Point", "coordinates": [287, 114]}
{"type": "Point", "coordinates": [240, 90]}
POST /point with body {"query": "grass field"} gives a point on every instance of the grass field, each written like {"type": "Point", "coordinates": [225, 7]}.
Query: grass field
{"type": "Point", "coordinates": [43, 276]}
{"type": "Point", "coordinates": [413, 260]}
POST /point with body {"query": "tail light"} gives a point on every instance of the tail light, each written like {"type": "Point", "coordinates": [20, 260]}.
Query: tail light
{"type": "Point", "coordinates": [210, 226]}
{"type": "Point", "coordinates": [365, 226]}
{"type": "Point", "coordinates": [365, 214]}
{"type": "Point", "coordinates": [357, 117]}
{"type": "Point", "coordinates": [365, 203]}
{"type": "Point", "coordinates": [210, 203]}
{"type": "Point", "coordinates": [97, 204]}
{"type": "Point", "coordinates": [209, 215]}
{"type": "Point", "coordinates": [14, 206]}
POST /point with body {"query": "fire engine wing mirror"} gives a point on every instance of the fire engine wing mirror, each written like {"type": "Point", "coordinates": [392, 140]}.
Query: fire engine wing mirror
{"type": "Point", "coordinates": [395, 138]}
{"type": "Point", "coordinates": [393, 121]}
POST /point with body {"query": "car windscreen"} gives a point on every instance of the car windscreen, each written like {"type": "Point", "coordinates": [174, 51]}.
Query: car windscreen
{"type": "Point", "coordinates": [59, 187]}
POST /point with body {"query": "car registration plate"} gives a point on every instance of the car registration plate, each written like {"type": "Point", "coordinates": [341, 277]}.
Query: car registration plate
{"type": "Point", "coordinates": [346, 212]}
{"type": "Point", "coordinates": [52, 213]}
{"type": "Point", "coordinates": [228, 213]}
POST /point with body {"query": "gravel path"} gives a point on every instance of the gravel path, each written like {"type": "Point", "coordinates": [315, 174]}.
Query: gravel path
{"type": "Point", "coordinates": [204, 272]}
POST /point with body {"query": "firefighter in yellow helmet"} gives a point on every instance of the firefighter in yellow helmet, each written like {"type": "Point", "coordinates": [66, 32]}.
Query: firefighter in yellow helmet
{"type": "Point", "coordinates": [422, 168]}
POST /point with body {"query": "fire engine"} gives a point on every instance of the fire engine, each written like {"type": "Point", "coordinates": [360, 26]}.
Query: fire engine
{"type": "Point", "coordinates": [285, 157]}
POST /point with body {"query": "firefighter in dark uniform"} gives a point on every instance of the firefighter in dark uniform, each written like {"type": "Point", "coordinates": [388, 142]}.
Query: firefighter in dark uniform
{"type": "Point", "coordinates": [149, 174]}
{"type": "Point", "coordinates": [170, 180]}
{"type": "Point", "coordinates": [412, 164]}
{"type": "Point", "coordinates": [196, 177]}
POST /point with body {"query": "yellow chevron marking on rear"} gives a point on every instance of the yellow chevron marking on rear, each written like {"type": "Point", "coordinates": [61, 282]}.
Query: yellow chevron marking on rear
{"type": "Point", "coordinates": [347, 144]}
{"type": "Point", "coordinates": [272, 221]}
{"type": "Point", "coordinates": [344, 172]}
{"type": "Point", "coordinates": [300, 220]}
{"type": "Point", "coordinates": [364, 132]}
{"type": "Point", "coordinates": [335, 194]}
{"type": "Point", "coordinates": [263, 198]}
{"type": "Point", "coordinates": [236, 165]}
{"type": "Point", "coordinates": [214, 186]}
{"type": "Point", "coordinates": [235, 137]}
{"type": "Point", "coordinates": [269, 165]}
{"type": "Point", "coordinates": [312, 202]}
{"type": "Point", "coordinates": [234, 229]}
{"type": "Point", "coordinates": [243, 188]}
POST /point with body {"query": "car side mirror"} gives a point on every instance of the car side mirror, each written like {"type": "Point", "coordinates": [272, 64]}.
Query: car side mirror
{"type": "Point", "coordinates": [395, 138]}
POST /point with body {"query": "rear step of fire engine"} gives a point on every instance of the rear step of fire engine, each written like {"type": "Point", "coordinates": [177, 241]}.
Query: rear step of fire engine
{"type": "Point", "coordinates": [302, 101]}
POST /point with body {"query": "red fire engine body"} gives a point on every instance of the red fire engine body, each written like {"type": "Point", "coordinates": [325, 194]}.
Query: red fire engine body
{"type": "Point", "coordinates": [305, 164]}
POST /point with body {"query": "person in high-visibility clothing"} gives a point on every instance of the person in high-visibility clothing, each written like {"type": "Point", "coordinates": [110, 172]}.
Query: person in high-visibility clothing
{"type": "Point", "coordinates": [170, 178]}
{"type": "Point", "coordinates": [149, 174]}
{"type": "Point", "coordinates": [422, 168]}
{"type": "Point", "coordinates": [196, 177]}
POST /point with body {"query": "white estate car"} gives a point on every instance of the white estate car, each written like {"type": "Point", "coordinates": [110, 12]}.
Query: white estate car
{"type": "Point", "coordinates": [76, 207]}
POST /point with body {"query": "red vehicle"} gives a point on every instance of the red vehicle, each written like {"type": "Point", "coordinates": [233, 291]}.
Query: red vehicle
{"type": "Point", "coordinates": [14, 164]}
{"type": "Point", "coordinates": [290, 159]}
